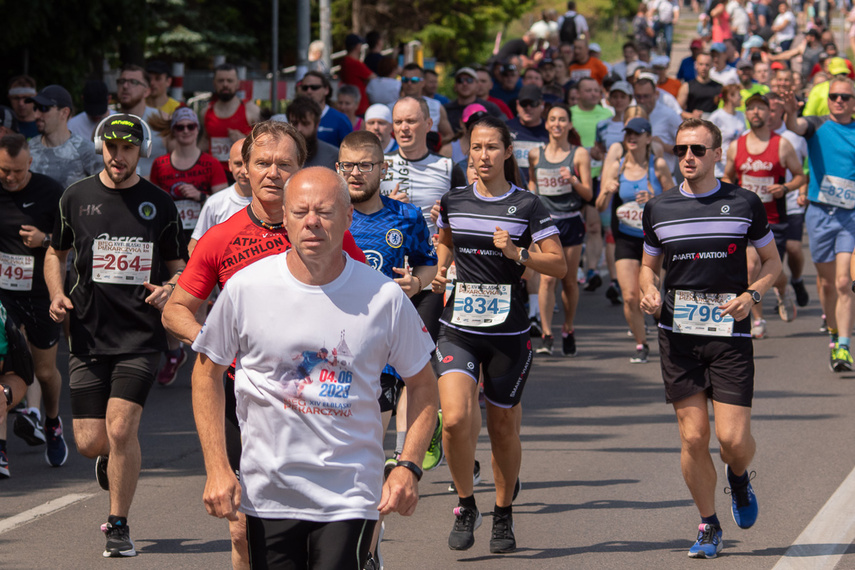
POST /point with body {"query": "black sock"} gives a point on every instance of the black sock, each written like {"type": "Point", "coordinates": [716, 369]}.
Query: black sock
{"type": "Point", "coordinates": [117, 521]}
{"type": "Point", "coordinates": [737, 481]}
{"type": "Point", "coordinates": [497, 510]}
{"type": "Point", "coordinates": [2, 445]}
{"type": "Point", "coordinates": [468, 502]}
{"type": "Point", "coordinates": [712, 521]}
{"type": "Point", "coordinates": [51, 422]}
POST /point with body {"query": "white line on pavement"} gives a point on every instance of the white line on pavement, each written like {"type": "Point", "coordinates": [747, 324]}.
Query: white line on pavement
{"type": "Point", "coordinates": [822, 543]}
{"type": "Point", "coordinates": [42, 510]}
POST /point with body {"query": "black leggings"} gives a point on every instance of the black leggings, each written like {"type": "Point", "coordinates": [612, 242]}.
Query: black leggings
{"type": "Point", "coordinates": [290, 544]}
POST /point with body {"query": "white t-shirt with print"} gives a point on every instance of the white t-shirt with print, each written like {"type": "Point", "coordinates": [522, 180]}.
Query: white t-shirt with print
{"type": "Point", "coordinates": [307, 384]}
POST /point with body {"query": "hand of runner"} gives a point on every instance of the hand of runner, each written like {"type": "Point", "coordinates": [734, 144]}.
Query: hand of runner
{"type": "Point", "coordinates": [31, 236]}
{"type": "Point", "coordinates": [651, 302]}
{"type": "Point", "coordinates": [612, 186]}
{"type": "Point", "coordinates": [407, 281]}
{"type": "Point", "coordinates": [642, 197]}
{"type": "Point", "coordinates": [738, 308]}
{"type": "Point", "coordinates": [59, 306]}
{"type": "Point", "coordinates": [791, 105]}
{"type": "Point", "coordinates": [222, 495]}
{"type": "Point", "coordinates": [434, 212]}
{"type": "Point", "coordinates": [802, 200]}
{"type": "Point", "coordinates": [159, 295]}
{"type": "Point", "coordinates": [400, 493]}
{"type": "Point", "coordinates": [396, 194]}
{"type": "Point", "coordinates": [502, 241]}
{"type": "Point", "coordinates": [440, 281]}
{"type": "Point", "coordinates": [777, 190]}
{"type": "Point", "coordinates": [566, 175]}
{"type": "Point", "coordinates": [189, 191]}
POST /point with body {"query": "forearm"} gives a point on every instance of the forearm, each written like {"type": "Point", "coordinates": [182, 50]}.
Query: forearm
{"type": "Point", "coordinates": [549, 260]}
{"type": "Point", "coordinates": [179, 316]}
{"type": "Point", "coordinates": [425, 274]}
{"type": "Point", "coordinates": [209, 405]}
{"type": "Point", "coordinates": [422, 399]}
{"type": "Point", "coordinates": [55, 271]}
{"type": "Point", "coordinates": [648, 280]}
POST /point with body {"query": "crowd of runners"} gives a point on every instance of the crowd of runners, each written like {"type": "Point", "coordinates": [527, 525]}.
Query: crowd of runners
{"type": "Point", "coordinates": [417, 245]}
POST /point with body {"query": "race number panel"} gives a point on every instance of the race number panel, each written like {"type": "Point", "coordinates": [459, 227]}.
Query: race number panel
{"type": "Point", "coordinates": [759, 185]}
{"type": "Point", "coordinates": [480, 304]}
{"type": "Point", "coordinates": [836, 191]}
{"type": "Point", "coordinates": [121, 262]}
{"type": "Point", "coordinates": [188, 211]}
{"type": "Point", "coordinates": [629, 214]}
{"type": "Point", "coordinates": [220, 148]}
{"type": "Point", "coordinates": [551, 183]}
{"type": "Point", "coordinates": [699, 313]}
{"type": "Point", "coordinates": [16, 272]}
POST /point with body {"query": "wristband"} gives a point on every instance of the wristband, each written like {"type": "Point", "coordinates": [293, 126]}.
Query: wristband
{"type": "Point", "coordinates": [171, 285]}
{"type": "Point", "coordinates": [417, 471]}
{"type": "Point", "coordinates": [420, 282]}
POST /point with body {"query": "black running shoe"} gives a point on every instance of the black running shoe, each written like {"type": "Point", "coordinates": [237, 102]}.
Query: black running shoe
{"type": "Point", "coordinates": [28, 427]}
{"type": "Point", "coordinates": [462, 536]}
{"type": "Point", "coordinates": [802, 296]}
{"type": "Point", "coordinates": [503, 540]}
{"type": "Point", "coordinates": [476, 478]}
{"type": "Point", "coordinates": [535, 329]}
{"type": "Point", "coordinates": [593, 281]}
{"type": "Point", "coordinates": [119, 541]}
{"type": "Point", "coordinates": [568, 344]}
{"type": "Point", "coordinates": [101, 472]}
{"type": "Point", "coordinates": [613, 294]}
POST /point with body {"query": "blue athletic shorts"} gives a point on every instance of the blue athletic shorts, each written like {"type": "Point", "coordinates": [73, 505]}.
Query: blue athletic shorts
{"type": "Point", "coordinates": [830, 231]}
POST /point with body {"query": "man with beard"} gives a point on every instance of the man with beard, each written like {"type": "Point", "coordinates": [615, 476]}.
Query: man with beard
{"type": "Point", "coordinates": [759, 161]}
{"type": "Point", "coordinates": [126, 234]}
{"type": "Point", "coordinates": [227, 118]}
{"type": "Point", "coordinates": [305, 114]}
{"type": "Point", "coordinates": [132, 89]}
{"type": "Point", "coordinates": [57, 152]}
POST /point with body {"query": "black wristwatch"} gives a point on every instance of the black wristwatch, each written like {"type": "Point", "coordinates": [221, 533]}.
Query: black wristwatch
{"type": "Point", "coordinates": [417, 471]}
{"type": "Point", "coordinates": [46, 241]}
{"type": "Point", "coordinates": [755, 296]}
{"type": "Point", "coordinates": [7, 390]}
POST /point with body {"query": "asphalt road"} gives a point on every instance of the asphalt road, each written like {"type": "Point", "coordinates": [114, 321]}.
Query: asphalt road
{"type": "Point", "coordinates": [601, 477]}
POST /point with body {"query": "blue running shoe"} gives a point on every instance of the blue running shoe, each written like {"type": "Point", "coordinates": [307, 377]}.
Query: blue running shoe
{"type": "Point", "coordinates": [56, 452]}
{"type": "Point", "coordinates": [708, 544]}
{"type": "Point", "coordinates": [743, 501]}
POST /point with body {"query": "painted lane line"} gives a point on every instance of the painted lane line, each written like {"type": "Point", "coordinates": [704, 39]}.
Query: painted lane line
{"type": "Point", "coordinates": [42, 510]}
{"type": "Point", "coordinates": [824, 541]}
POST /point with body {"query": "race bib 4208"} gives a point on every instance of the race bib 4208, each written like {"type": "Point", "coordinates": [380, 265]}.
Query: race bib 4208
{"type": "Point", "coordinates": [121, 262]}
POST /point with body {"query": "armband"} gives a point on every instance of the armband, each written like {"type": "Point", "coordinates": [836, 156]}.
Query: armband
{"type": "Point", "coordinates": [417, 471]}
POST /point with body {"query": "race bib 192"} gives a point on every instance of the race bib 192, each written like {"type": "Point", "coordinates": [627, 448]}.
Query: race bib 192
{"type": "Point", "coordinates": [481, 304]}
{"type": "Point", "coordinates": [699, 313]}
{"type": "Point", "coordinates": [16, 272]}
{"type": "Point", "coordinates": [836, 191]}
{"type": "Point", "coordinates": [121, 262]}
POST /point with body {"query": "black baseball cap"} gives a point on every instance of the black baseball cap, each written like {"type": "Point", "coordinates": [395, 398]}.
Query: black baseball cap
{"type": "Point", "coordinates": [95, 97]}
{"type": "Point", "coordinates": [123, 127]}
{"type": "Point", "coordinates": [530, 93]}
{"type": "Point", "coordinates": [158, 67]}
{"type": "Point", "coordinates": [52, 95]}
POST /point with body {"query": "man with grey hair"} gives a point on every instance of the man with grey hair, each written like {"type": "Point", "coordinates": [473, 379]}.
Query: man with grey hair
{"type": "Point", "coordinates": [315, 387]}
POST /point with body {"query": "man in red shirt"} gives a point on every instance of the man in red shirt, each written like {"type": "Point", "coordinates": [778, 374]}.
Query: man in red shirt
{"type": "Point", "coordinates": [227, 118]}
{"type": "Point", "coordinates": [354, 72]}
{"type": "Point", "coordinates": [272, 152]}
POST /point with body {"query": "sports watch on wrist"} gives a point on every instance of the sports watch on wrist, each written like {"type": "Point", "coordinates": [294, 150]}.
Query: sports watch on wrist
{"type": "Point", "coordinates": [417, 471]}
{"type": "Point", "coordinates": [46, 241]}
{"type": "Point", "coordinates": [755, 296]}
{"type": "Point", "coordinates": [524, 256]}
{"type": "Point", "coordinates": [7, 391]}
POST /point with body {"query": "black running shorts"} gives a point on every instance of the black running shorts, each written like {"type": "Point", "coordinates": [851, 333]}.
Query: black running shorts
{"type": "Point", "coordinates": [571, 231]}
{"type": "Point", "coordinates": [292, 543]}
{"type": "Point", "coordinates": [233, 442]}
{"type": "Point", "coordinates": [723, 367]}
{"type": "Point", "coordinates": [628, 247]}
{"type": "Point", "coordinates": [504, 360]}
{"type": "Point", "coordinates": [96, 379]}
{"type": "Point", "coordinates": [390, 387]}
{"type": "Point", "coordinates": [33, 315]}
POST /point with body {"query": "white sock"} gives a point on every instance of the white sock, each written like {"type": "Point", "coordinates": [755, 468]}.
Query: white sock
{"type": "Point", "coordinates": [35, 411]}
{"type": "Point", "coordinates": [533, 305]}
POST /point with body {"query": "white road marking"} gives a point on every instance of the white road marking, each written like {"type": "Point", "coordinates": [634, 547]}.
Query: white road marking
{"type": "Point", "coordinates": [822, 543]}
{"type": "Point", "coordinates": [42, 510]}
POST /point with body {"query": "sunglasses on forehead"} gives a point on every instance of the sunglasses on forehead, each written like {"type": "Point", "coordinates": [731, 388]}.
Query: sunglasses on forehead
{"type": "Point", "coordinates": [698, 150]}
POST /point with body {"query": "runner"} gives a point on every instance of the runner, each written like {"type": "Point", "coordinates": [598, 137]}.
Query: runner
{"type": "Point", "coordinates": [226, 203]}
{"type": "Point", "coordinates": [830, 219]}
{"type": "Point", "coordinates": [15, 366]}
{"type": "Point", "coordinates": [560, 173]}
{"type": "Point", "coordinates": [29, 205]}
{"type": "Point", "coordinates": [758, 161]}
{"type": "Point", "coordinates": [698, 96]}
{"type": "Point", "coordinates": [484, 324]}
{"type": "Point", "coordinates": [397, 243]}
{"type": "Point", "coordinates": [126, 235]}
{"type": "Point", "coordinates": [627, 186]}
{"type": "Point", "coordinates": [189, 176]}
{"type": "Point", "coordinates": [311, 469]}
{"type": "Point", "coordinates": [227, 118]}
{"type": "Point", "coordinates": [254, 233]}
{"type": "Point", "coordinates": [704, 333]}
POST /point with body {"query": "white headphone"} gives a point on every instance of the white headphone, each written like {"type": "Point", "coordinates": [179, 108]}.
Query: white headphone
{"type": "Point", "coordinates": [145, 146]}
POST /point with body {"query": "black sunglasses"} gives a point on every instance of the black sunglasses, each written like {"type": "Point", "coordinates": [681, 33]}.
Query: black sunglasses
{"type": "Point", "coordinates": [698, 150]}
{"type": "Point", "coordinates": [529, 103]}
{"type": "Point", "coordinates": [181, 128]}
{"type": "Point", "coordinates": [465, 79]}
{"type": "Point", "coordinates": [845, 97]}
{"type": "Point", "coordinates": [42, 108]}
{"type": "Point", "coordinates": [311, 87]}
{"type": "Point", "coordinates": [406, 80]}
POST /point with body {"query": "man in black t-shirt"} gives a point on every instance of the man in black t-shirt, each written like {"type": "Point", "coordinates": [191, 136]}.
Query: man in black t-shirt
{"type": "Point", "coordinates": [125, 231]}
{"type": "Point", "coordinates": [28, 202]}
{"type": "Point", "coordinates": [700, 233]}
